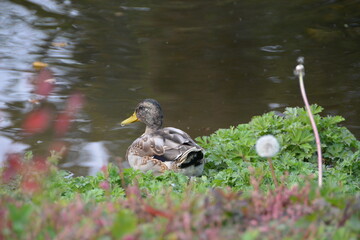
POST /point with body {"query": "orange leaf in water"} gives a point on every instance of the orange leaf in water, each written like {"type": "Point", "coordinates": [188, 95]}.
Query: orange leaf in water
{"type": "Point", "coordinates": [37, 121]}
{"type": "Point", "coordinates": [44, 82]}
{"type": "Point", "coordinates": [59, 44]}
{"type": "Point", "coordinates": [39, 65]}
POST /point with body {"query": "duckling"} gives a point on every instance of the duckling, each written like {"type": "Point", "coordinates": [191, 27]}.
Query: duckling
{"type": "Point", "coordinates": [161, 149]}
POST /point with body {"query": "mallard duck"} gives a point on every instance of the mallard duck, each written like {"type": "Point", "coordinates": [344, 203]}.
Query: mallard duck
{"type": "Point", "coordinates": [161, 149]}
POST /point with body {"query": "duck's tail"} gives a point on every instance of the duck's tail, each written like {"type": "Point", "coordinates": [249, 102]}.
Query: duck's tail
{"type": "Point", "coordinates": [192, 157]}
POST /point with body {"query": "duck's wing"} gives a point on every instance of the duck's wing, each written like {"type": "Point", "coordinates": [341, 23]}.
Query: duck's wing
{"type": "Point", "coordinates": [167, 148]}
{"type": "Point", "coordinates": [178, 145]}
{"type": "Point", "coordinates": [179, 150]}
{"type": "Point", "coordinates": [182, 152]}
{"type": "Point", "coordinates": [141, 152]}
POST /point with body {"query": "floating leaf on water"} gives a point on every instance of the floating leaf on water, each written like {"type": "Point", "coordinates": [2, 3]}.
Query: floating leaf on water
{"type": "Point", "coordinates": [39, 65]}
{"type": "Point", "coordinates": [119, 14]}
{"type": "Point", "coordinates": [59, 44]}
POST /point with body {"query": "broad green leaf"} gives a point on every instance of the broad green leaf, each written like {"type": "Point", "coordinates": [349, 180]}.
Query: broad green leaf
{"type": "Point", "coordinates": [125, 223]}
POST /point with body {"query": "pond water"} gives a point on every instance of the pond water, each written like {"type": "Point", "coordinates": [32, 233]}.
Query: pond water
{"type": "Point", "coordinates": [210, 64]}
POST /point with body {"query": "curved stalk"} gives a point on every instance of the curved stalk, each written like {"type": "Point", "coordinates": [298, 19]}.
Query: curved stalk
{"type": "Point", "coordinates": [316, 133]}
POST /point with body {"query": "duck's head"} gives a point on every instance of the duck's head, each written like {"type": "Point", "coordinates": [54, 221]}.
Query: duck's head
{"type": "Point", "coordinates": [149, 112]}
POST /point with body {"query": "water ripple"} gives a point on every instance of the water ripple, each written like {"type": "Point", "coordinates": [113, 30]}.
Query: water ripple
{"type": "Point", "coordinates": [272, 48]}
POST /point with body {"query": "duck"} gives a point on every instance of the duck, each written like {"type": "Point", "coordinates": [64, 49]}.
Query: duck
{"type": "Point", "coordinates": [161, 149]}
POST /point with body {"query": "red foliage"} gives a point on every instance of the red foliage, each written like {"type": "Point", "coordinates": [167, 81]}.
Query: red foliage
{"type": "Point", "coordinates": [104, 185]}
{"type": "Point", "coordinates": [13, 167]}
{"type": "Point", "coordinates": [30, 173]}
{"type": "Point", "coordinates": [44, 82]}
{"type": "Point", "coordinates": [155, 212]}
{"type": "Point", "coordinates": [129, 237]}
{"type": "Point", "coordinates": [62, 124]}
{"type": "Point", "coordinates": [63, 121]}
{"type": "Point", "coordinates": [30, 185]}
{"type": "Point", "coordinates": [40, 165]}
{"type": "Point", "coordinates": [74, 103]}
{"type": "Point", "coordinates": [37, 121]}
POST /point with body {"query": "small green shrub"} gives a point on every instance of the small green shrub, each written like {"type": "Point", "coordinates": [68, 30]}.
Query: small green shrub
{"type": "Point", "coordinates": [230, 152]}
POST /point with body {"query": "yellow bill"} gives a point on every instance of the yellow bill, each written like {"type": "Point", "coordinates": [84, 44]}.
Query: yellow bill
{"type": "Point", "coordinates": [129, 120]}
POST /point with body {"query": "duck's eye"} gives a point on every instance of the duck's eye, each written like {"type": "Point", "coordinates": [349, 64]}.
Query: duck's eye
{"type": "Point", "coordinates": [141, 108]}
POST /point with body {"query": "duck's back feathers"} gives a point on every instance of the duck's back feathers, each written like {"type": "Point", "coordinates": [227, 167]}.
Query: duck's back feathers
{"type": "Point", "coordinates": [169, 148]}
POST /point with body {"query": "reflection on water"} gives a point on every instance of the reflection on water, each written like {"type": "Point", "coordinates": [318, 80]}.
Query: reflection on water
{"type": "Point", "coordinates": [92, 156]}
{"type": "Point", "coordinates": [210, 64]}
{"type": "Point", "coordinates": [8, 146]}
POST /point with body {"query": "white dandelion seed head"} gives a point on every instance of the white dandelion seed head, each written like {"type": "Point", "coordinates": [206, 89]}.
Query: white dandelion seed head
{"type": "Point", "coordinates": [299, 70]}
{"type": "Point", "coordinates": [267, 146]}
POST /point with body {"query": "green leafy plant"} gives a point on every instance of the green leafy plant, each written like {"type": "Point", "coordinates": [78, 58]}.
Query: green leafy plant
{"type": "Point", "coordinates": [230, 152]}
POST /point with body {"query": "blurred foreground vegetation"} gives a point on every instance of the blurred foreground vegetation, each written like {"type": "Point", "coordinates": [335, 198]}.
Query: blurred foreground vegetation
{"type": "Point", "coordinates": [234, 199]}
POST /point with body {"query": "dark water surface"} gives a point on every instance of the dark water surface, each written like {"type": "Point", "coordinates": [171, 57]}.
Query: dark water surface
{"type": "Point", "coordinates": [211, 64]}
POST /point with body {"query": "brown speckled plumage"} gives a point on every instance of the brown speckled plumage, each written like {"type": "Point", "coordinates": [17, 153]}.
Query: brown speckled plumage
{"type": "Point", "coordinates": [160, 149]}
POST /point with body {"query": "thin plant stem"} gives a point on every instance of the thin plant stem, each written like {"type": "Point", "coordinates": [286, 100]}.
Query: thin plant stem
{"type": "Point", "coordinates": [316, 133]}
{"type": "Point", "coordinates": [273, 172]}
